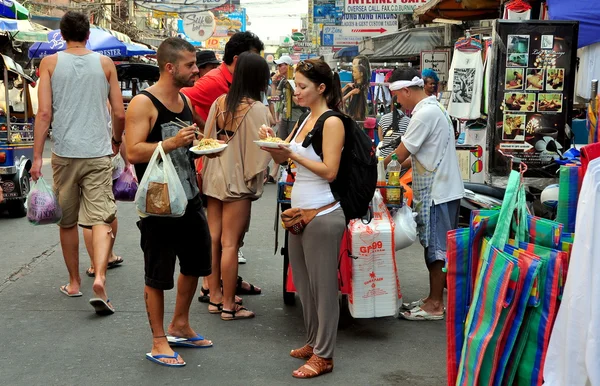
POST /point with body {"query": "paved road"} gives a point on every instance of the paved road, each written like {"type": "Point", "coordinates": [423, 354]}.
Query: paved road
{"type": "Point", "coordinates": [50, 339]}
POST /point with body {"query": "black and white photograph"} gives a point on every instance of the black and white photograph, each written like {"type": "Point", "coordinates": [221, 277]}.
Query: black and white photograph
{"type": "Point", "coordinates": [518, 44]}
{"type": "Point", "coordinates": [547, 42]}
{"type": "Point", "coordinates": [462, 89]}
{"type": "Point", "coordinates": [513, 128]}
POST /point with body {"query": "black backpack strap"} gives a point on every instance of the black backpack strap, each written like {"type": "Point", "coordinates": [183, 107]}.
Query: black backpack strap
{"type": "Point", "coordinates": [315, 137]}
{"type": "Point", "coordinates": [299, 122]}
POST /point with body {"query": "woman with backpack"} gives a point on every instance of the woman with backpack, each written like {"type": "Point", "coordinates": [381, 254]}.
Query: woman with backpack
{"type": "Point", "coordinates": [314, 252]}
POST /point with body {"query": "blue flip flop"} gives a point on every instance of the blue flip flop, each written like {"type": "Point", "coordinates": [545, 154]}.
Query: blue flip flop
{"type": "Point", "coordinates": [186, 342]}
{"type": "Point", "coordinates": [156, 359]}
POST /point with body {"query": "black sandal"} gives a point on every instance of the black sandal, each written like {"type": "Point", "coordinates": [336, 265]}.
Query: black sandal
{"type": "Point", "coordinates": [240, 290]}
{"type": "Point", "coordinates": [218, 310]}
{"type": "Point", "coordinates": [234, 312]}
{"type": "Point", "coordinates": [205, 297]}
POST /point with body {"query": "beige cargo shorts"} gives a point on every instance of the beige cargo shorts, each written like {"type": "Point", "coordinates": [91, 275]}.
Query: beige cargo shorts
{"type": "Point", "coordinates": [83, 187]}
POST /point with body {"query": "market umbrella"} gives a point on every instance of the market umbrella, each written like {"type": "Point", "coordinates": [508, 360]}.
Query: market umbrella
{"type": "Point", "coordinates": [13, 10]}
{"type": "Point", "coordinates": [100, 41]}
{"type": "Point", "coordinates": [134, 49]}
{"type": "Point", "coordinates": [24, 30]}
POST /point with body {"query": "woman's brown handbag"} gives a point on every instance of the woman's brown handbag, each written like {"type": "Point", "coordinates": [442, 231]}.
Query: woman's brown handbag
{"type": "Point", "coordinates": [294, 220]}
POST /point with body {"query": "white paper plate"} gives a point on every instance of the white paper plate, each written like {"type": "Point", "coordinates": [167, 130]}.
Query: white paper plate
{"type": "Point", "coordinates": [272, 145]}
{"type": "Point", "coordinates": [208, 151]}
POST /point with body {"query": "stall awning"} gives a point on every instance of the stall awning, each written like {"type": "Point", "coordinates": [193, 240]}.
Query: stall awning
{"type": "Point", "coordinates": [13, 10]}
{"type": "Point", "coordinates": [410, 43]}
{"type": "Point", "coordinates": [458, 10]}
{"type": "Point", "coordinates": [586, 12]}
{"type": "Point", "coordinates": [24, 30]}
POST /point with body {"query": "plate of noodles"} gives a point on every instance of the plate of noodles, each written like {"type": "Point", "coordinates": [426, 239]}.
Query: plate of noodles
{"type": "Point", "coordinates": [208, 146]}
{"type": "Point", "coordinates": [272, 142]}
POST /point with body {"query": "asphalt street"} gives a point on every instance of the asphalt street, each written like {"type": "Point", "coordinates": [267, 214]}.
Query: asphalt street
{"type": "Point", "coordinates": [50, 339]}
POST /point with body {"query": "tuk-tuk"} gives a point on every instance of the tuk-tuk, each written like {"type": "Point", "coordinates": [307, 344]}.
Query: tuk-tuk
{"type": "Point", "coordinates": [16, 137]}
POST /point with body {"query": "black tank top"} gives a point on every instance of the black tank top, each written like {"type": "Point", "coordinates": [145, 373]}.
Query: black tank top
{"type": "Point", "coordinates": [163, 129]}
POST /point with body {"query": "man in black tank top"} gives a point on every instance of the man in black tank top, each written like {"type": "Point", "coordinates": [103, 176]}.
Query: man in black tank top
{"type": "Point", "coordinates": [152, 117]}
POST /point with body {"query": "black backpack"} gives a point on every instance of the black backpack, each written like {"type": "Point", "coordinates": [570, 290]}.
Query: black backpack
{"type": "Point", "coordinates": [356, 180]}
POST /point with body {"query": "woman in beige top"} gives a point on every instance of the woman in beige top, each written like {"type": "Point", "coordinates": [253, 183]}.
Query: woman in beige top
{"type": "Point", "coordinates": [235, 179]}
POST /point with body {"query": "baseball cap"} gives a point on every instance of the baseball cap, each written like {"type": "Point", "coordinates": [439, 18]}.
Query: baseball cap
{"type": "Point", "coordinates": [284, 59]}
{"type": "Point", "coordinates": [206, 57]}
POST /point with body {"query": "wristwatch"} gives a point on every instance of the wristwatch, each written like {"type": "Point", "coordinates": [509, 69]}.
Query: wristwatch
{"type": "Point", "coordinates": [115, 142]}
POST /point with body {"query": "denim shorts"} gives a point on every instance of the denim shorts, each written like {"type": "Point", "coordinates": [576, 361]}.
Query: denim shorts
{"type": "Point", "coordinates": [443, 218]}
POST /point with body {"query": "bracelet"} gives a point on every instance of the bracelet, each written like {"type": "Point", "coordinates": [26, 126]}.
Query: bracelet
{"type": "Point", "coordinates": [115, 142]}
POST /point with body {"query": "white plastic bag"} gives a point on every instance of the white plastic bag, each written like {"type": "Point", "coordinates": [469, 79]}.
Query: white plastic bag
{"type": "Point", "coordinates": [160, 193]}
{"type": "Point", "coordinates": [42, 204]}
{"type": "Point", "coordinates": [118, 164]}
{"type": "Point", "coordinates": [406, 227]}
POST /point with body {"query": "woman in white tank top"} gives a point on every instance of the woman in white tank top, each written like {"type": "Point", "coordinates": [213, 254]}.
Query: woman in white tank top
{"type": "Point", "coordinates": [314, 253]}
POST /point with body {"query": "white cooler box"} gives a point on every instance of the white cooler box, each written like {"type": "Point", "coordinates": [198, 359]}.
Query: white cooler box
{"type": "Point", "coordinates": [375, 288]}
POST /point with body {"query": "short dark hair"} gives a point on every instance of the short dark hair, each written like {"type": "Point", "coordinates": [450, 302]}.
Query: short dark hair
{"type": "Point", "coordinates": [250, 79]}
{"type": "Point", "coordinates": [405, 73]}
{"type": "Point", "coordinates": [74, 26]}
{"type": "Point", "coordinates": [241, 42]}
{"type": "Point", "coordinates": [169, 49]}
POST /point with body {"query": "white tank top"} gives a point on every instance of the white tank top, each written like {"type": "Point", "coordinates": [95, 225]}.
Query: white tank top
{"type": "Point", "coordinates": [310, 191]}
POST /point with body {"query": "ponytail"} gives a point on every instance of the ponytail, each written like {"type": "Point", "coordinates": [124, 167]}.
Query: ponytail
{"type": "Point", "coordinates": [334, 94]}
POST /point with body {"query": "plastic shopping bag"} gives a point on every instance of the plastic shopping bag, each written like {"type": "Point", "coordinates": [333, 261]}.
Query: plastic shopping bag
{"type": "Point", "coordinates": [406, 227]}
{"type": "Point", "coordinates": [126, 186]}
{"type": "Point", "coordinates": [42, 204]}
{"type": "Point", "coordinates": [160, 192]}
{"type": "Point", "coordinates": [118, 164]}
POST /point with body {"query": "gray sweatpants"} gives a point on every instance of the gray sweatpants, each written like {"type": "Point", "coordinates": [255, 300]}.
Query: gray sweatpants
{"type": "Point", "coordinates": [314, 258]}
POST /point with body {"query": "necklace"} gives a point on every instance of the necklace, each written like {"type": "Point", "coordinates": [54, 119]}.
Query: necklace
{"type": "Point", "coordinates": [76, 47]}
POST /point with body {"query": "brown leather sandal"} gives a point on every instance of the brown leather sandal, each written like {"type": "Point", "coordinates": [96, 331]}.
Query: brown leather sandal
{"type": "Point", "coordinates": [314, 367]}
{"type": "Point", "coordinates": [302, 353]}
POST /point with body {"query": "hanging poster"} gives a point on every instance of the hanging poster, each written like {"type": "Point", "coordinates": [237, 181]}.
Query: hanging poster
{"type": "Point", "coordinates": [438, 61]}
{"type": "Point", "coordinates": [532, 101]}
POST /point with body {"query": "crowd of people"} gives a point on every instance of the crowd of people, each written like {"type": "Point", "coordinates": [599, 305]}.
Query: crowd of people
{"type": "Point", "coordinates": [226, 101]}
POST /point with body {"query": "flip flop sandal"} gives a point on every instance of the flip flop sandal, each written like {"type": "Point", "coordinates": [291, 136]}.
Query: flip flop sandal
{"type": "Point", "coordinates": [205, 297]}
{"type": "Point", "coordinates": [314, 367]}
{"type": "Point", "coordinates": [240, 290]}
{"type": "Point", "coordinates": [156, 359]}
{"type": "Point", "coordinates": [90, 272]}
{"type": "Point", "coordinates": [118, 261]}
{"type": "Point", "coordinates": [64, 290]}
{"type": "Point", "coordinates": [234, 315]}
{"type": "Point", "coordinates": [218, 310]}
{"type": "Point", "coordinates": [187, 342]}
{"type": "Point", "coordinates": [411, 305]}
{"type": "Point", "coordinates": [101, 306]}
{"type": "Point", "coordinates": [418, 314]}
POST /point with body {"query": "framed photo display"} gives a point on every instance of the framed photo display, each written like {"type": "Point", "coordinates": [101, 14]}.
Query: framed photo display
{"type": "Point", "coordinates": [530, 104]}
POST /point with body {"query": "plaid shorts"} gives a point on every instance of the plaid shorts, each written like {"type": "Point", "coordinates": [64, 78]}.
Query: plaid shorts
{"type": "Point", "coordinates": [443, 218]}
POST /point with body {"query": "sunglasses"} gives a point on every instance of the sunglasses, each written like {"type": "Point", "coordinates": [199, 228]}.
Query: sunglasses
{"type": "Point", "coordinates": [306, 66]}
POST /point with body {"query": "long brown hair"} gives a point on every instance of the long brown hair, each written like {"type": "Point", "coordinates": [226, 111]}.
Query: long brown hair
{"type": "Point", "coordinates": [318, 71]}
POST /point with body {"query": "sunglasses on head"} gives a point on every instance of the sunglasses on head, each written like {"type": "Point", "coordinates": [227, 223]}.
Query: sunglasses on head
{"type": "Point", "coordinates": [307, 66]}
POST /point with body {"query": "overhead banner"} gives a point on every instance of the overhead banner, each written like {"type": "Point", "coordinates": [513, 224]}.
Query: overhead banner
{"type": "Point", "coordinates": [438, 61]}
{"type": "Point", "coordinates": [180, 6]}
{"type": "Point", "coordinates": [199, 26]}
{"type": "Point", "coordinates": [382, 6]}
{"type": "Point", "coordinates": [334, 35]}
{"type": "Point", "coordinates": [388, 21]}
{"type": "Point", "coordinates": [230, 23]}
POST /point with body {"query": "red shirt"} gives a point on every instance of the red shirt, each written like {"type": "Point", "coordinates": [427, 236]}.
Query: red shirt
{"type": "Point", "coordinates": [208, 88]}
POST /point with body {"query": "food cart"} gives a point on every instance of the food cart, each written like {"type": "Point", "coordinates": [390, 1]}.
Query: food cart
{"type": "Point", "coordinates": [16, 137]}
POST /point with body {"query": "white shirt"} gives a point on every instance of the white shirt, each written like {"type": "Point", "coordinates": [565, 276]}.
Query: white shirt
{"type": "Point", "coordinates": [310, 191]}
{"type": "Point", "coordinates": [466, 83]}
{"type": "Point", "coordinates": [425, 138]}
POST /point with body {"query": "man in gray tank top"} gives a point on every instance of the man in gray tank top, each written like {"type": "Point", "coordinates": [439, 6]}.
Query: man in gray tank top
{"type": "Point", "coordinates": [73, 89]}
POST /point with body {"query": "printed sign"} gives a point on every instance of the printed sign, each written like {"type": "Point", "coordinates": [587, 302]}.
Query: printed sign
{"type": "Point", "coordinates": [229, 23]}
{"type": "Point", "coordinates": [348, 36]}
{"type": "Point", "coordinates": [199, 26]}
{"type": "Point", "coordinates": [438, 61]}
{"type": "Point", "coordinates": [180, 6]}
{"type": "Point", "coordinates": [385, 20]}
{"type": "Point", "coordinates": [382, 6]}
{"type": "Point", "coordinates": [326, 12]}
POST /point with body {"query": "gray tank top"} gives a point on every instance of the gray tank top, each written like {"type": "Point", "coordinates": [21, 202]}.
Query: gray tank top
{"type": "Point", "coordinates": [80, 119]}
